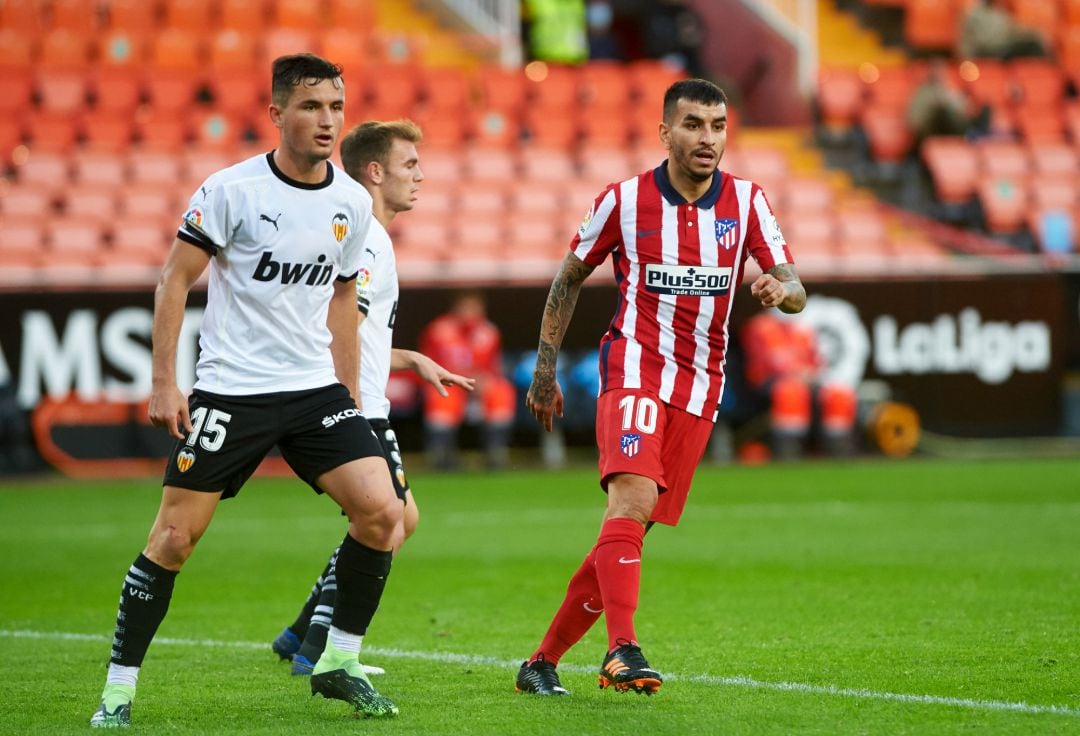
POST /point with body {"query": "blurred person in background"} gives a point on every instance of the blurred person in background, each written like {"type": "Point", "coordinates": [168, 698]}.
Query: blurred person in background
{"type": "Point", "coordinates": [382, 156]}
{"type": "Point", "coordinates": [467, 342]}
{"type": "Point", "coordinates": [604, 45]}
{"type": "Point", "coordinates": [988, 30]}
{"type": "Point", "coordinates": [938, 108]}
{"type": "Point", "coordinates": [679, 237]}
{"type": "Point", "coordinates": [783, 364]}
{"type": "Point", "coordinates": [555, 30]}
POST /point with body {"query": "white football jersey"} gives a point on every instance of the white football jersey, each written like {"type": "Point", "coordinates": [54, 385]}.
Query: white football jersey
{"type": "Point", "coordinates": [277, 246]}
{"type": "Point", "coordinates": [377, 298]}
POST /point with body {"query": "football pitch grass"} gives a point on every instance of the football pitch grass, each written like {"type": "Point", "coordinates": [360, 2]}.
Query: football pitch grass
{"type": "Point", "coordinates": [923, 597]}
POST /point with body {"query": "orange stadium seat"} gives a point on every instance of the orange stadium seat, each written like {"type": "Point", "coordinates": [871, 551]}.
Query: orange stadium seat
{"type": "Point", "coordinates": [604, 85]}
{"type": "Point", "coordinates": [526, 200]}
{"type": "Point", "coordinates": [348, 47]}
{"type": "Point", "coordinates": [76, 239]}
{"type": "Point", "coordinates": [954, 167]}
{"type": "Point", "coordinates": [104, 130]}
{"type": "Point", "coordinates": [117, 89]}
{"type": "Point", "coordinates": [649, 80]}
{"type": "Point", "coordinates": [534, 236]}
{"type": "Point", "coordinates": [1071, 12]}
{"type": "Point", "coordinates": [478, 239]}
{"type": "Point", "coordinates": [218, 129]}
{"type": "Point", "coordinates": [25, 18]}
{"type": "Point", "coordinates": [23, 242]}
{"type": "Point", "coordinates": [1040, 82]}
{"type": "Point", "coordinates": [282, 41]}
{"type": "Point", "coordinates": [1042, 15]}
{"type": "Point", "coordinates": [62, 91]}
{"type": "Point", "coordinates": [552, 128]}
{"type": "Point", "coordinates": [171, 91]}
{"type": "Point", "coordinates": [174, 49]}
{"type": "Point", "coordinates": [895, 86]}
{"type": "Point", "coordinates": [578, 196]}
{"type": "Point", "coordinates": [164, 131]}
{"type": "Point", "coordinates": [248, 16]}
{"type": "Point", "coordinates": [90, 202]}
{"type": "Point", "coordinates": [888, 133]}
{"type": "Point", "coordinates": [154, 168]}
{"type": "Point", "coordinates": [50, 132]}
{"type": "Point", "coordinates": [481, 201]}
{"type": "Point", "coordinates": [445, 131]}
{"type": "Point", "coordinates": [547, 165]}
{"type": "Point", "coordinates": [840, 98]}
{"type": "Point", "coordinates": [16, 52]}
{"type": "Point", "coordinates": [494, 165]}
{"type": "Point", "coordinates": [65, 48]}
{"type": "Point", "coordinates": [301, 14]}
{"type": "Point", "coordinates": [931, 25]}
{"type": "Point", "coordinates": [11, 137]}
{"type": "Point", "coordinates": [98, 168]}
{"type": "Point", "coordinates": [493, 127]}
{"type": "Point", "coordinates": [198, 163]}
{"type": "Point", "coordinates": [441, 166]}
{"type": "Point", "coordinates": [861, 229]}
{"type": "Point", "coordinates": [603, 130]}
{"type": "Point", "coordinates": [804, 194]}
{"type": "Point", "coordinates": [445, 91]}
{"type": "Point", "coordinates": [141, 238]}
{"type": "Point", "coordinates": [239, 91]}
{"type": "Point", "coordinates": [18, 93]}
{"type": "Point", "coordinates": [118, 49]}
{"type": "Point", "coordinates": [1054, 158]}
{"type": "Point", "coordinates": [438, 198]}
{"type": "Point", "coordinates": [994, 85]}
{"type": "Point", "coordinates": [355, 14]}
{"type": "Point", "coordinates": [1003, 158]}
{"type": "Point", "coordinates": [1005, 204]}
{"type": "Point", "coordinates": [503, 89]}
{"type": "Point", "coordinates": [78, 15]}
{"type": "Point", "coordinates": [422, 239]}
{"type": "Point", "coordinates": [558, 89]}
{"type": "Point", "coordinates": [190, 16]}
{"type": "Point", "coordinates": [28, 200]}
{"type": "Point", "coordinates": [603, 165]}
{"type": "Point", "coordinates": [392, 90]}
{"type": "Point", "coordinates": [156, 201]}
{"type": "Point", "coordinates": [138, 16]}
{"type": "Point", "coordinates": [1040, 124]}
{"type": "Point", "coordinates": [230, 51]}
{"type": "Point", "coordinates": [913, 250]}
{"type": "Point", "coordinates": [1059, 191]}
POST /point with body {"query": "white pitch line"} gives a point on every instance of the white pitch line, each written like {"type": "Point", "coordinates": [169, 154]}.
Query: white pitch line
{"type": "Point", "coordinates": [476, 659]}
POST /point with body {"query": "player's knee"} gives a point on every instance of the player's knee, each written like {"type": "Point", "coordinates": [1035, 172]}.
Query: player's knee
{"type": "Point", "coordinates": [170, 545]}
{"type": "Point", "coordinates": [410, 520]}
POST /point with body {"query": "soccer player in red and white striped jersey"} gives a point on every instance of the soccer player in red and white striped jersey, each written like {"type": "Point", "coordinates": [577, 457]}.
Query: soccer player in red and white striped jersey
{"type": "Point", "coordinates": [679, 237]}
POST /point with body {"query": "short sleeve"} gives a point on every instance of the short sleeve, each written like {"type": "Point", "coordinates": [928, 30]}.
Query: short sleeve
{"type": "Point", "coordinates": [353, 248]}
{"type": "Point", "coordinates": [206, 221]}
{"type": "Point", "coordinates": [365, 281]}
{"type": "Point", "coordinates": [599, 232]}
{"type": "Point", "coordinates": [764, 239]}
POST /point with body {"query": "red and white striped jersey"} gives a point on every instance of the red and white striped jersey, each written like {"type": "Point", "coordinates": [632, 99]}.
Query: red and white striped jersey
{"type": "Point", "coordinates": [677, 265]}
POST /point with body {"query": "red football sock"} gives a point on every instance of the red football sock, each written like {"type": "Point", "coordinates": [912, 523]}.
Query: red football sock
{"type": "Point", "coordinates": [618, 572]}
{"type": "Point", "coordinates": [578, 612]}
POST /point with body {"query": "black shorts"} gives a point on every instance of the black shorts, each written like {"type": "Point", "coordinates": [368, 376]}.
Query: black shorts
{"type": "Point", "coordinates": [388, 439]}
{"type": "Point", "coordinates": [316, 430]}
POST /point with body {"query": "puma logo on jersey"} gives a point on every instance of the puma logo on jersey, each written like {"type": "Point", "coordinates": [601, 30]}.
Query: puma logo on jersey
{"type": "Point", "coordinates": [267, 219]}
{"type": "Point", "coordinates": [311, 274]}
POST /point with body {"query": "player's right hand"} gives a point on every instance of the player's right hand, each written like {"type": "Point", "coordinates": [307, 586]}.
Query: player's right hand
{"type": "Point", "coordinates": [169, 409]}
{"type": "Point", "coordinates": [545, 400]}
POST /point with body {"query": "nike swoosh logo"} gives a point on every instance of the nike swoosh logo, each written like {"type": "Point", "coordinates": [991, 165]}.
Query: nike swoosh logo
{"type": "Point", "coordinates": [647, 233]}
{"type": "Point", "coordinates": [624, 561]}
{"type": "Point", "coordinates": [590, 610]}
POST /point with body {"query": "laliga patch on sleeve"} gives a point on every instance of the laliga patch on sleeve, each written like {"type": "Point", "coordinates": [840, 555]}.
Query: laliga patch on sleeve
{"type": "Point", "coordinates": [586, 221]}
{"type": "Point", "coordinates": [772, 232]}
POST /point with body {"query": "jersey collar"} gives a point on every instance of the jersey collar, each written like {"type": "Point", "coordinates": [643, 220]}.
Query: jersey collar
{"type": "Point", "coordinates": [299, 184]}
{"type": "Point", "coordinates": [706, 202]}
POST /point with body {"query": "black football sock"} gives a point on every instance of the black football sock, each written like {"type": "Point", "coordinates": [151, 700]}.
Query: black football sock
{"type": "Point", "coordinates": [303, 621]}
{"type": "Point", "coordinates": [144, 601]}
{"type": "Point", "coordinates": [361, 577]}
{"type": "Point", "coordinates": [315, 639]}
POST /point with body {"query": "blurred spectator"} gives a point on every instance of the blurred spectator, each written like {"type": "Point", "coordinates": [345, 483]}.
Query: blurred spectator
{"type": "Point", "coordinates": [555, 30]}
{"type": "Point", "coordinates": [783, 364]}
{"type": "Point", "coordinates": [673, 33]}
{"type": "Point", "coordinates": [988, 30]}
{"type": "Point", "coordinates": [937, 108]}
{"type": "Point", "coordinates": [465, 338]}
{"type": "Point", "coordinates": [599, 15]}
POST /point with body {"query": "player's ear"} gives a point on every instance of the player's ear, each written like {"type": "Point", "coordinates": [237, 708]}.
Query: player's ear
{"type": "Point", "coordinates": [665, 135]}
{"type": "Point", "coordinates": [374, 171]}
{"type": "Point", "coordinates": [275, 115]}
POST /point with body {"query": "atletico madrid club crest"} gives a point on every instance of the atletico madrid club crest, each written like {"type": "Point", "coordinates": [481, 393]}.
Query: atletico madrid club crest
{"type": "Point", "coordinates": [341, 226]}
{"type": "Point", "coordinates": [630, 444]}
{"type": "Point", "coordinates": [727, 233]}
{"type": "Point", "coordinates": [185, 459]}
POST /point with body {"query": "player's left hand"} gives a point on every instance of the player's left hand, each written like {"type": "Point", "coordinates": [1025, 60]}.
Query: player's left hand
{"type": "Point", "coordinates": [768, 290]}
{"type": "Point", "coordinates": [438, 376]}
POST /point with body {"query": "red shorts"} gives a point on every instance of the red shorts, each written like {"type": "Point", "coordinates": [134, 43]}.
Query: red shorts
{"type": "Point", "coordinates": [639, 434]}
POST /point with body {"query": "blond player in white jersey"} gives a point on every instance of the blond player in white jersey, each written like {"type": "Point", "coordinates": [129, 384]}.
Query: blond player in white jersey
{"type": "Point", "coordinates": [283, 235]}
{"type": "Point", "coordinates": [382, 156]}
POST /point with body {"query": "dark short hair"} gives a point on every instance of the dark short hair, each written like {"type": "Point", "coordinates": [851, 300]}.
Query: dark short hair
{"type": "Point", "coordinates": [372, 140]}
{"type": "Point", "coordinates": [295, 69]}
{"type": "Point", "coordinates": [692, 90]}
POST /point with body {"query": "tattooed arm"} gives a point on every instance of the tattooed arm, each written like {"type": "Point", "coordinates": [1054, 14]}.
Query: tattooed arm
{"type": "Point", "coordinates": [780, 288]}
{"type": "Point", "coordinates": [545, 398]}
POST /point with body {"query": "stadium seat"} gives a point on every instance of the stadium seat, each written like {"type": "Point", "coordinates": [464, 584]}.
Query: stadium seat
{"type": "Point", "coordinates": [76, 15]}
{"type": "Point", "coordinates": [954, 167]}
{"type": "Point", "coordinates": [527, 200]}
{"type": "Point", "coordinates": [913, 251]}
{"type": "Point", "coordinates": [1054, 158]}
{"type": "Point", "coordinates": [44, 167]}
{"type": "Point", "coordinates": [931, 25]}
{"type": "Point", "coordinates": [300, 14]}
{"type": "Point", "coordinates": [604, 85]}
{"type": "Point", "coordinates": [23, 18]}
{"type": "Point", "coordinates": [198, 163]}
{"type": "Point", "coordinates": [649, 80]}
{"type": "Point", "coordinates": [99, 168]}
{"type": "Point", "coordinates": [117, 89]}
{"type": "Point", "coordinates": [559, 89]}
{"type": "Point", "coordinates": [119, 49]}
{"type": "Point", "coordinates": [50, 132]}
{"type": "Point", "coordinates": [895, 86]}
{"type": "Point", "coordinates": [141, 239]}
{"type": "Point", "coordinates": [478, 239]}
{"type": "Point", "coordinates": [230, 52]}
{"type": "Point", "coordinates": [446, 131]}
{"type": "Point", "coordinates": [840, 98]}
{"type": "Point", "coordinates": [162, 131]}
{"type": "Point", "coordinates": [603, 165]}
{"type": "Point", "coordinates": [392, 90]}
{"type": "Point", "coordinates": [23, 241]}
{"type": "Point", "coordinates": [218, 129]}
{"type": "Point", "coordinates": [503, 89]}
{"type": "Point", "coordinates": [190, 16]}
{"type": "Point", "coordinates": [493, 127]}
{"type": "Point", "coordinates": [76, 239]}
{"type": "Point", "coordinates": [173, 49]}
{"type": "Point", "coordinates": [154, 168]}
{"type": "Point", "coordinates": [356, 14]}
{"type": "Point", "coordinates": [137, 16]}
{"type": "Point", "coordinates": [552, 166]}
{"type": "Point", "coordinates": [90, 202]}
{"type": "Point", "coordinates": [28, 200]}
{"type": "Point", "coordinates": [494, 165]}
{"type": "Point", "coordinates": [484, 202]}
{"type": "Point", "coordinates": [143, 200]}
{"type": "Point", "coordinates": [445, 91]}
{"type": "Point", "coordinates": [18, 94]}
{"type": "Point", "coordinates": [65, 49]}
{"type": "Point", "coordinates": [1003, 158]}
{"type": "Point", "coordinates": [249, 16]}
{"type": "Point", "coordinates": [11, 138]}
{"type": "Point", "coordinates": [1040, 82]}
{"type": "Point", "coordinates": [1005, 204]}
{"type": "Point", "coordinates": [1040, 124]}
{"type": "Point", "coordinates": [887, 131]}
{"type": "Point", "coordinates": [104, 130]}
{"type": "Point", "coordinates": [1055, 192]}
{"type": "Point", "coordinates": [803, 195]}
{"type": "Point", "coordinates": [763, 164]}
{"type": "Point", "coordinates": [551, 128]}
{"type": "Point", "coordinates": [1041, 15]}
{"type": "Point", "coordinates": [421, 239]}
{"type": "Point", "coordinates": [16, 52]}
{"type": "Point", "coordinates": [171, 91]}
{"type": "Point", "coordinates": [347, 46]}
{"type": "Point", "coordinates": [281, 41]}
{"type": "Point", "coordinates": [992, 85]}
{"type": "Point", "coordinates": [61, 91]}
{"type": "Point", "coordinates": [861, 230]}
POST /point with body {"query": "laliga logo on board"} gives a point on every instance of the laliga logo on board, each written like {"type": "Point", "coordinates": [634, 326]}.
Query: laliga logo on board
{"type": "Point", "coordinates": [341, 226]}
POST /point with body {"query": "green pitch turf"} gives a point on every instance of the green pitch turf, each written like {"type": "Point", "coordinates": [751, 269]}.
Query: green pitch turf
{"type": "Point", "coordinates": [863, 598]}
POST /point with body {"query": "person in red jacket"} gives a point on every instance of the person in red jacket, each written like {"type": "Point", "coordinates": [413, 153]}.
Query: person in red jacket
{"type": "Point", "coordinates": [782, 362]}
{"type": "Point", "coordinates": [464, 338]}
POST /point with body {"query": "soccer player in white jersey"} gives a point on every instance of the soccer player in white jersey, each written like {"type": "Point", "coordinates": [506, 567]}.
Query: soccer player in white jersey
{"type": "Point", "coordinates": [382, 156]}
{"type": "Point", "coordinates": [679, 237]}
{"type": "Point", "coordinates": [283, 234]}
